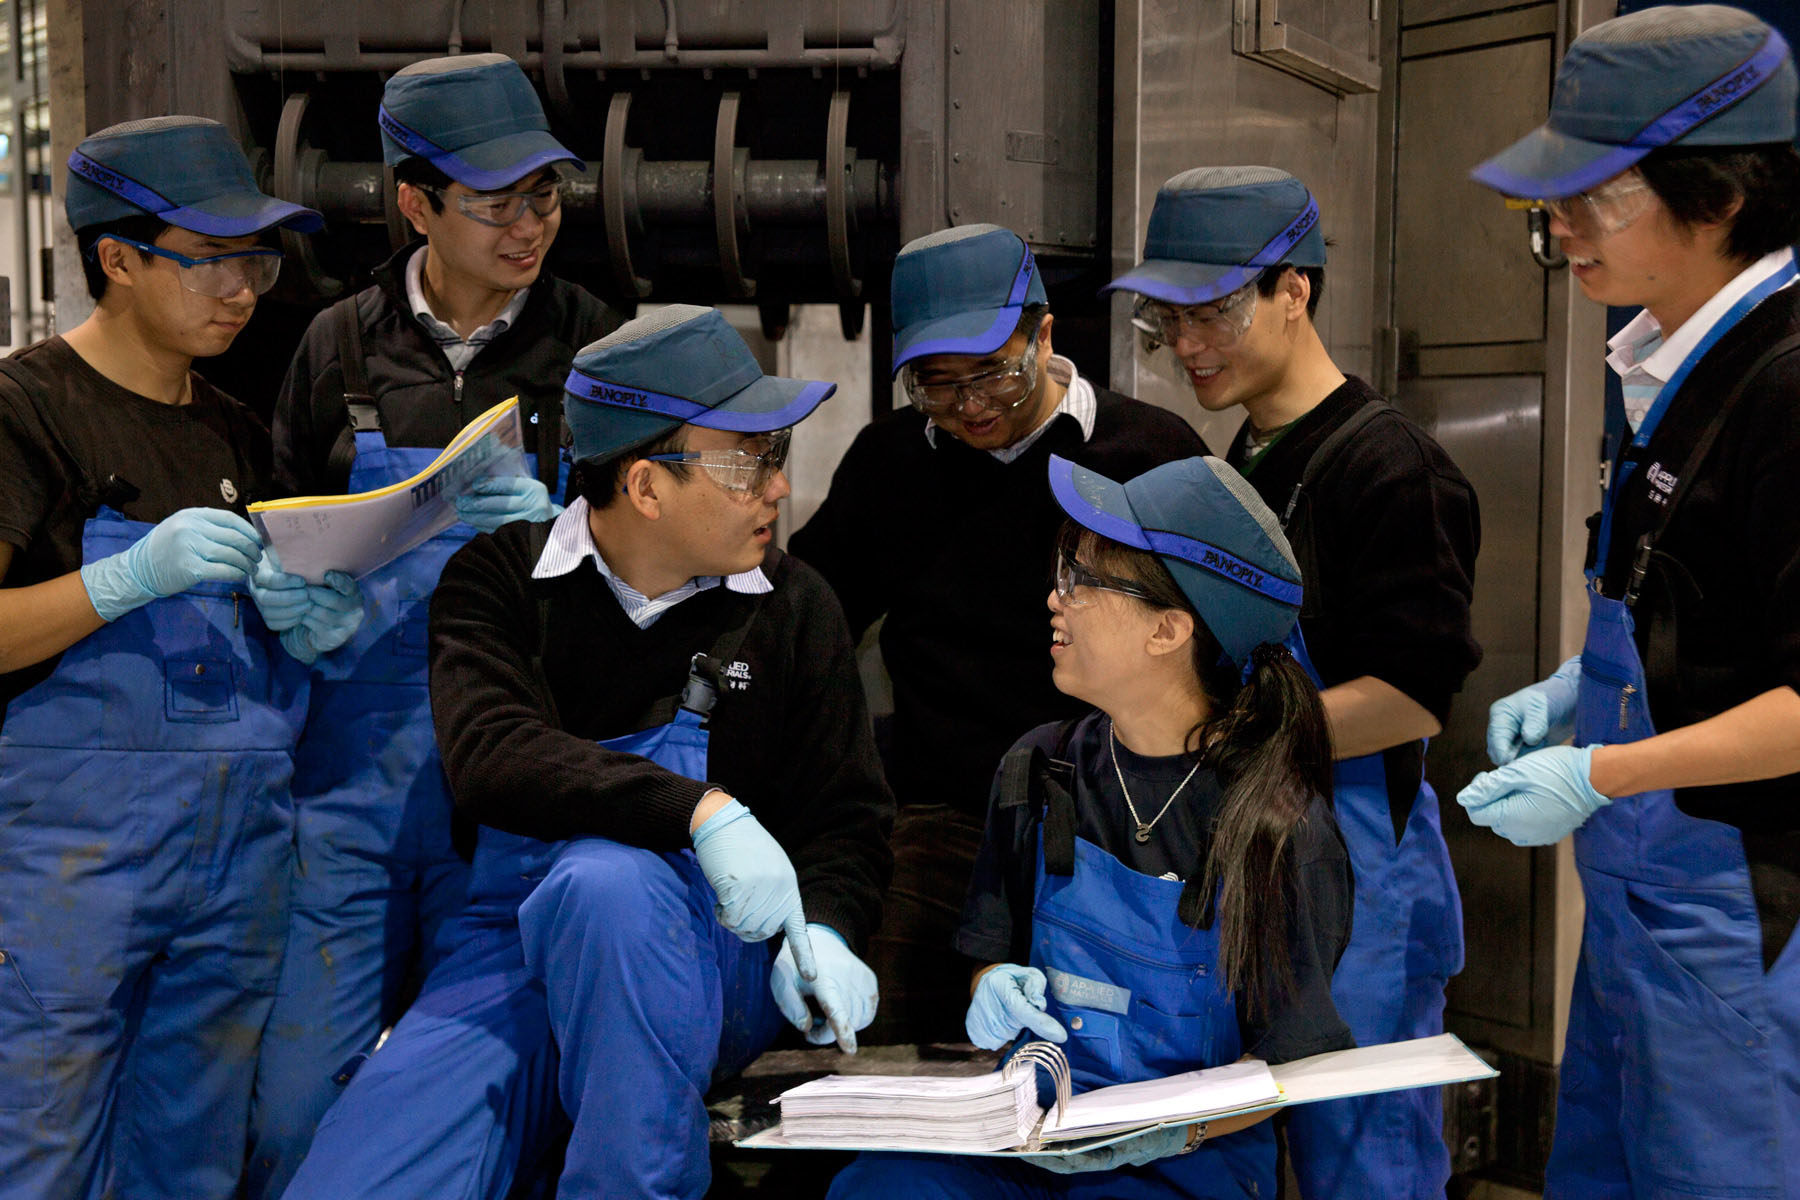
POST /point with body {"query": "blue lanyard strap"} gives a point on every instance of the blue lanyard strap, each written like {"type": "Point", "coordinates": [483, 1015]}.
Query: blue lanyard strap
{"type": "Point", "coordinates": [1665, 396]}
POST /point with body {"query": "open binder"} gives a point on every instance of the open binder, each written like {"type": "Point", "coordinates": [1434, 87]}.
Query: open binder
{"type": "Point", "coordinates": [998, 1114]}
{"type": "Point", "coordinates": [360, 532]}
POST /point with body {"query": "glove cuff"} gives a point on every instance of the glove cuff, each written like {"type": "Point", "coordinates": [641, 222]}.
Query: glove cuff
{"type": "Point", "coordinates": [731, 811]}
{"type": "Point", "coordinates": [112, 586]}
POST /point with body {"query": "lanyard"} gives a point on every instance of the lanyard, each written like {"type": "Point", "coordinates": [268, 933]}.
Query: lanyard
{"type": "Point", "coordinates": [1625, 467]}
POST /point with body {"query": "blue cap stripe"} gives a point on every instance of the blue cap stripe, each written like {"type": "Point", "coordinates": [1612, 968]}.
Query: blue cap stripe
{"type": "Point", "coordinates": [1715, 97]}
{"type": "Point", "coordinates": [1062, 486]}
{"type": "Point", "coordinates": [1277, 247]}
{"type": "Point", "coordinates": [1005, 321]}
{"type": "Point", "coordinates": [587, 387]}
{"type": "Point", "coordinates": [122, 186]}
{"type": "Point", "coordinates": [1021, 280]}
{"type": "Point", "coordinates": [1225, 565]}
{"type": "Point", "coordinates": [409, 139]}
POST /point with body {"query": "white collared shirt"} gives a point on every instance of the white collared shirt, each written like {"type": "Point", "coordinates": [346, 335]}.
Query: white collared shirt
{"type": "Point", "coordinates": [571, 541]}
{"type": "Point", "coordinates": [1643, 360]}
{"type": "Point", "coordinates": [459, 350]}
{"type": "Point", "coordinates": [1078, 401]}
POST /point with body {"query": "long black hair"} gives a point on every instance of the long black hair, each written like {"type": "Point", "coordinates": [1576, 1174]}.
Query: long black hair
{"type": "Point", "coordinates": [1267, 741]}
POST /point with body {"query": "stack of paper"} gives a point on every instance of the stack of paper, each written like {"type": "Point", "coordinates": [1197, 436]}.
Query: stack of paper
{"type": "Point", "coordinates": [986, 1112]}
{"type": "Point", "coordinates": [1177, 1100]}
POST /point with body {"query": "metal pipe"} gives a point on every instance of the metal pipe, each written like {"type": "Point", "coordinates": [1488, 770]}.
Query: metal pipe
{"type": "Point", "coordinates": [848, 58]}
{"type": "Point", "coordinates": [671, 43]}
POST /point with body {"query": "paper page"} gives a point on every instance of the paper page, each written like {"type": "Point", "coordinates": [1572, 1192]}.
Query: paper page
{"type": "Point", "coordinates": [1231, 1088]}
{"type": "Point", "coordinates": [1422, 1062]}
{"type": "Point", "coordinates": [358, 533]}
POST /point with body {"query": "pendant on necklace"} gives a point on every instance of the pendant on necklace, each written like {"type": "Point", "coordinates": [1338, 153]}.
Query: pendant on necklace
{"type": "Point", "coordinates": [1143, 833]}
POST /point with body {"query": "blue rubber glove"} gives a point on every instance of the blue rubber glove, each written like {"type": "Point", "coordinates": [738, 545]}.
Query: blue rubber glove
{"type": "Point", "coordinates": [1132, 1152]}
{"type": "Point", "coordinates": [1010, 998]}
{"type": "Point", "coordinates": [1534, 717]}
{"type": "Point", "coordinates": [753, 882]}
{"type": "Point", "coordinates": [334, 613]}
{"type": "Point", "coordinates": [845, 989]}
{"type": "Point", "coordinates": [191, 546]}
{"type": "Point", "coordinates": [499, 500]}
{"type": "Point", "coordinates": [280, 598]}
{"type": "Point", "coordinates": [1537, 800]}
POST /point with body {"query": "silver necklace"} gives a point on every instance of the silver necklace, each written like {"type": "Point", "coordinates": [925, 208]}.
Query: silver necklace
{"type": "Point", "coordinates": [1143, 829]}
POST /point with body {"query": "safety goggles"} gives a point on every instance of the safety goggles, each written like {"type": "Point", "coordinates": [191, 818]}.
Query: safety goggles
{"type": "Point", "coordinates": [1071, 575]}
{"type": "Point", "coordinates": [747, 470]}
{"type": "Point", "coordinates": [222, 276]}
{"type": "Point", "coordinates": [1000, 390]}
{"type": "Point", "coordinates": [1605, 210]}
{"type": "Point", "coordinates": [501, 209]}
{"type": "Point", "coordinates": [1218, 325]}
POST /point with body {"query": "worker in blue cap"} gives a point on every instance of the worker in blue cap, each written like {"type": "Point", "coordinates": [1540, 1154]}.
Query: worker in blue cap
{"type": "Point", "coordinates": [1161, 885]}
{"type": "Point", "coordinates": [1386, 529]}
{"type": "Point", "coordinates": [149, 712]}
{"type": "Point", "coordinates": [958, 567]}
{"type": "Point", "coordinates": [1669, 172]}
{"type": "Point", "coordinates": [656, 719]}
{"type": "Point", "coordinates": [457, 321]}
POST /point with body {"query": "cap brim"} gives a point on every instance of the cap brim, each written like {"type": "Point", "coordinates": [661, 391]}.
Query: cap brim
{"type": "Point", "coordinates": [1176, 281]}
{"type": "Point", "coordinates": [770, 403]}
{"type": "Point", "coordinates": [238, 214]}
{"type": "Point", "coordinates": [980, 331]}
{"type": "Point", "coordinates": [1095, 502]}
{"type": "Point", "coordinates": [494, 164]}
{"type": "Point", "coordinates": [1545, 165]}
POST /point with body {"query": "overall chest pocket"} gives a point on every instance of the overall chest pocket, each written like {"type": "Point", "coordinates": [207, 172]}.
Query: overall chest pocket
{"type": "Point", "coordinates": [199, 690]}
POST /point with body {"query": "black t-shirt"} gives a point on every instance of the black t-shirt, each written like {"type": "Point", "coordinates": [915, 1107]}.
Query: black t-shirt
{"type": "Point", "coordinates": [73, 429]}
{"type": "Point", "coordinates": [1305, 1021]}
{"type": "Point", "coordinates": [1395, 531]}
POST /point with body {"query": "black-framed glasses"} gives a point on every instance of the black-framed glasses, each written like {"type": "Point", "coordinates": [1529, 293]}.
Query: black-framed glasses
{"type": "Point", "coordinates": [747, 470]}
{"type": "Point", "coordinates": [501, 209]}
{"type": "Point", "coordinates": [1071, 575]}
{"type": "Point", "coordinates": [1001, 389]}
{"type": "Point", "coordinates": [222, 276]}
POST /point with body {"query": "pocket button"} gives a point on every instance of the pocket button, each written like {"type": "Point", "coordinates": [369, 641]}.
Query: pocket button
{"type": "Point", "coordinates": [1074, 1022]}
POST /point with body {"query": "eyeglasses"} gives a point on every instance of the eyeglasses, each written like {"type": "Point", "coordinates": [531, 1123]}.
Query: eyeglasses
{"type": "Point", "coordinates": [501, 209]}
{"type": "Point", "coordinates": [999, 390]}
{"type": "Point", "coordinates": [747, 470]}
{"type": "Point", "coordinates": [1605, 210]}
{"type": "Point", "coordinates": [1071, 575]}
{"type": "Point", "coordinates": [1218, 325]}
{"type": "Point", "coordinates": [222, 276]}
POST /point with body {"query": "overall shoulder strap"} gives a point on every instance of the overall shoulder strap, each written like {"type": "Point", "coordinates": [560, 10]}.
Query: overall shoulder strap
{"type": "Point", "coordinates": [1296, 518]}
{"type": "Point", "coordinates": [364, 415]}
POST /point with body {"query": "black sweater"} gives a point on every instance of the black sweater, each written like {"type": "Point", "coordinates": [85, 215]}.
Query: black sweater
{"type": "Point", "coordinates": [956, 548]}
{"type": "Point", "coordinates": [792, 743]}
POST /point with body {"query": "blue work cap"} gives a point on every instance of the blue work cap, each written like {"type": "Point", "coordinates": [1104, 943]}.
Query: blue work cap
{"type": "Point", "coordinates": [1705, 75]}
{"type": "Point", "coordinates": [474, 117]}
{"type": "Point", "coordinates": [1214, 229]}
{"type": "Point", "coordinates": [1210, 529]}
{"type": "Point", "coordinates": [681, 364]}
{"type": "Point", "coordinates": [187, 171]}
{"type": "Point", "coordinates": [961, 291]}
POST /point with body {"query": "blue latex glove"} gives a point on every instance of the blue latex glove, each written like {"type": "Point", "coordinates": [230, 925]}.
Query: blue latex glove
{"type": "Point", "coordinates": [499, 500]}
{"type": "Point", "coordinates": [845, 989]}
{"type": "Point", "coordinates": [1534, 717]}
{"type": "Point", "coordinates": [334, 612]}
{"type": "Point", "coordinates": [1537, 800]}
{"type": "Point", "coordinates": [753, 882]}
{"type": "Point", "coordinates": [187, 547]}
{"type": "Point", "coordinates": [280, 598]}
{"type": "Point", "coordinates": [1010, 998]}
{"type": "Point", "coordinates": [1132, 1152]}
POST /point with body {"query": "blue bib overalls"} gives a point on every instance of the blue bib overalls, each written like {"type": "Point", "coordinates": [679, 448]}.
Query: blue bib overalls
{"type": "Point", "coordinates": [145, 849]}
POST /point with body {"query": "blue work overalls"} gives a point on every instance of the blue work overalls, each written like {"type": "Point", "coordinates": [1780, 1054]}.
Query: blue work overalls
{"type": "Point", "coordinates": [1681, 1069]}
{"type": "Point", "coordinates": [1151, 1004]}
{"type": "Point", "coordinates": [375, 871]}
{"type": "Point", "coordinates": [145, 848]}
{"type": "Point", "coordinates": [583, 971]}
{"type": "Point", "coordinates": [1405, 944]}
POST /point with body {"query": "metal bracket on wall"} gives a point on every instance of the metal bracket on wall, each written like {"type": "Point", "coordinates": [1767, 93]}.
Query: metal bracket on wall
{"type": "Point", "coordinates": [614, 172]}
{"type": "Point", "coordinates": [728, 166]}
{"type": "Point", "coordinates": [1258, 32]}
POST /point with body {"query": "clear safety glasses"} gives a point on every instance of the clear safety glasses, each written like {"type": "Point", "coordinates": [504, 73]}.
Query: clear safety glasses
{"type": "Point", "coordinates": [1604, 210]}
{"type": "Point", "coordinates": [1218, 325]}
{"type": "Point", "coordinates": [501, 209]}
{"type": "Point", "coordinates": [1000, 390]}
{"type": "Point", "coordinates": [747, 470]}
{"type": "Point", "coordinates": [1071, 575]}
{"type": "Point", "coordinates": [222, 276]}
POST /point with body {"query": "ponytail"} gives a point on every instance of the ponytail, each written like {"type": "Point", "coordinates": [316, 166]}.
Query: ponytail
{"type": "Point", "coordinates": [1272, 752]}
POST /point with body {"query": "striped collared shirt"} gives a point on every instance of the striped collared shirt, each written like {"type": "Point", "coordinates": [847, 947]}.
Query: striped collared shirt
{"type": "Point", "coordinates": [459, 350]}
{"type": "Point", "coordinates": [571, 541]}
